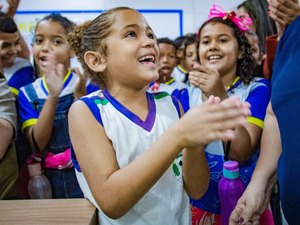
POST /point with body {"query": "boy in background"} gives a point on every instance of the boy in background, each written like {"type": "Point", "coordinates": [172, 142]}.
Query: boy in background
{"type": "Point", "coordinates": [181, 71]}
{"type": "Point", "coordinates": [17, 71]}
{"type": "Point", "coordinates": [167, 63]}
{"type": "Point", "coordinates": [8, 159]}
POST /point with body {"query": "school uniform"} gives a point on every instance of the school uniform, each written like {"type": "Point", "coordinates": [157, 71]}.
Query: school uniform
{"type": "Point", "coordinates": [257, 93]}
{"type": "Point", "coordinates": [19, 74]}
{"type": "Point", "coordinates": [31, 100]}
{"type": "Point", "coordinates": [166, 202]}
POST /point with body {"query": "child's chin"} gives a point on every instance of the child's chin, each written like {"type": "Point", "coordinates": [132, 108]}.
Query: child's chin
{"type": "Point", "coordinates": [8, 63]}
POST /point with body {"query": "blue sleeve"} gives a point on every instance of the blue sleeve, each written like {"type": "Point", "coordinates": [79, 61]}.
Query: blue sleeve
{"type": "Point", "coordinates": [184, 99]}
{"type": "Point", "coordinates": [28, 116]}
{"type": "Point", "coordinates": [259, 99]}
{"type": "Point", "coordinates": [22, 77]}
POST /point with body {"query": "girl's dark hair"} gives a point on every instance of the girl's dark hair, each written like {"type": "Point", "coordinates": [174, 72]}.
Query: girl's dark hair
{"type": "Point", "coordinates": [91, 36]}
{"type": "Point", "coordinates": [58, 18]}
{"type": "Point", "coordinates": [7, 24]}
{"type": "Point", "coordinates": [265, 25]}
{"type": "Point", "coordinates": [246, 64]}
{"type": "Point", "coordinates": [166, 40]}
{"type": "Point", "coordinates": [188, 40]}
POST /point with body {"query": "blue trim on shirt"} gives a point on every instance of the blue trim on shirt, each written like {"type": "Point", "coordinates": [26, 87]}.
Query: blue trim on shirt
{"type": "Point", "coordinates": [150, 119]}
{"type": "Point", "coordinates": [25, 108]}
{"type": "Point", "coordinates": [21, 77]}
{"type": "Point", "coordinates": [176, 104]}
{"type": "Point", "coordinates": [90, 102]}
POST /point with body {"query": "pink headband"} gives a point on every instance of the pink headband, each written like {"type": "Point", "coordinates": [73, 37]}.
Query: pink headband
{"type": "Point", "coordinates": [218, 11]}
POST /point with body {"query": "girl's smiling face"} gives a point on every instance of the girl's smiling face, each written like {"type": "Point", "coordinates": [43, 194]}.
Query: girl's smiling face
{"type": "Point", "coordinates": [132, 58]}
{"type": "Point", "coordinates": [50, 39]}
{"type": "Point", "coordinates": [218, 48]}
{"type": "Point", "coordinates": [10, 48]}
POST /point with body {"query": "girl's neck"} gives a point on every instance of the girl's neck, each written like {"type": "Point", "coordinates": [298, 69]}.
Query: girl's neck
{"type": "Point", "coordinates": [164, 78]}
{"type": "Point", "coordinates": [228, 79]}
{"type": "Point", "coordinates": [134, 100]}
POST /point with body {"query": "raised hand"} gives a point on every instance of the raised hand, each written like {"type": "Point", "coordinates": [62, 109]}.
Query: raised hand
{"type": "Point", "coordinates": [212, 121]}
{"type": "Point", "coordinates": [12, 8]}
{"type": "Point", "coordinates": [54, 75]}
{"type": "Point", "coordinates": [284, 11]}
{"type": "Point", "coordinates": [80, 86]}
{"type": "Point", "coordinates": [208, 80]}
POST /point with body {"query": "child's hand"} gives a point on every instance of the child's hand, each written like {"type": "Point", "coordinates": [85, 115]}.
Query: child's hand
{"type": "Point", "coordinates": [208, 80]}
{"type": "Point", "coordinates": [213, 120]}
{"type": "Point", "coordinates": [284, 12]}
{"type": "Point", "coordinates": [80, 86]}
{"type": "Point", "coordinates": [54, 75]}
{"type": "Point", "coordinates": [10, 7]}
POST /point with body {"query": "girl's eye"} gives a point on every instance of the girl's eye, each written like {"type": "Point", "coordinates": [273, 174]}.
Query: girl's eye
{"type": "Point", "coordinates": [38, 41]}
{"type": "Point", "coordinates": [151, 36]}
{"type": "Point", "coordinates": [131, 34]}
{"type": "Point", "coordinates": [223, 40]}
{"type": "Point", "coordinates": [58, 42]}
{"type": "Point", "coordinates": [204, 42]}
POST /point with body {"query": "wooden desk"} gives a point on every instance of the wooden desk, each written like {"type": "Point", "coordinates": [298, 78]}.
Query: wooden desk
{"type": "Point", "coordinates": [47, 212]}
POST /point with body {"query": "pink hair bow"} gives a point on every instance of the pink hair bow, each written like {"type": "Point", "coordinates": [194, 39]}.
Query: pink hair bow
{"type": "Point", "coordinates": [218, 11]}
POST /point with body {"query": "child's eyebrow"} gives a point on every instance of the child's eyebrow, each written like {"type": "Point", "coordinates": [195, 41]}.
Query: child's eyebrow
{"type": "Point", "coordinates": [136, 26]}
{"type": "Point", "coordinates": [219, 35]}
{"type": "Point", "coordinates": [52, 36]}
{"type": "Point", "coordinates": [131, 26]}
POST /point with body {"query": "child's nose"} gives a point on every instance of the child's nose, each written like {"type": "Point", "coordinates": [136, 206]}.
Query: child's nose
{"type": "Point", "coordinates": [15, 49]}
{"type": "Point", "coordinates": [213, 45]}
{"type": "Point", "coordinates": [148, 41]}
{"type": "Point", "coordinates": [46, 46]}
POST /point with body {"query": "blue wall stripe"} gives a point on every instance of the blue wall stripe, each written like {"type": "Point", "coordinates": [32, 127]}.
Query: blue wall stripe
{"type": "Point", "coordinates": [176, 11]}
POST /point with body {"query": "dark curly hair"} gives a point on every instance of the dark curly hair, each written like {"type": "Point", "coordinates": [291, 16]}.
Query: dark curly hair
{"type": "Point", "coordinates": [245, 65]}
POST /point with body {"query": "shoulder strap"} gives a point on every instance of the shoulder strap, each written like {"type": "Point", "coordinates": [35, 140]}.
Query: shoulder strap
{"type": "Point", "coordinates": [92, 105]}
{"type": "Point", "coordinates": [30, 92]}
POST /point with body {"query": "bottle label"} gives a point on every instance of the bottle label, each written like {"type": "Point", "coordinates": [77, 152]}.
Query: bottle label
{"type": "Point", "coordinates": [230, 174]}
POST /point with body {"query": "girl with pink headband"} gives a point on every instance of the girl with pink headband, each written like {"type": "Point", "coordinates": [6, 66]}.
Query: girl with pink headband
{"type": "Point", "coordinates": [225, 69]}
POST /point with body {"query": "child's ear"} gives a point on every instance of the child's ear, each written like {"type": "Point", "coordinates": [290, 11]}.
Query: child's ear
{"type": "Point", "coordinates": [95, 61]}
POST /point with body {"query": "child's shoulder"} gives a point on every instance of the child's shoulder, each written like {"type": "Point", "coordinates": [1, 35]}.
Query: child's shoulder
{"type": "Point", "coordinates": [96, 97]}
{"type": "Point", "coordinates": [35, 86]}
{"type": "Point", "coordinates": [18, 64]}
{"type": "Point", "coordinates": [260, 81]}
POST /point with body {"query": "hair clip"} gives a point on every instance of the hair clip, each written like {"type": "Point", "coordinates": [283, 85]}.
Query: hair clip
{"type": "Point", "coordinates": [218, 11]}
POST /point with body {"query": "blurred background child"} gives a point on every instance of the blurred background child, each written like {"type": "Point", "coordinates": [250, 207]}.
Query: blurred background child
{"type": "Point", "coordinates": [8, 127]}
{"type": "Point", "coordinates": [44, 104]}
{"type": "Point", "coordinates": [167, 63]}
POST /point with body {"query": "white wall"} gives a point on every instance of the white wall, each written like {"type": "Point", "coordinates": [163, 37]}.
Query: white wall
{"type": "Point", "coordinates": [168, 18]}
